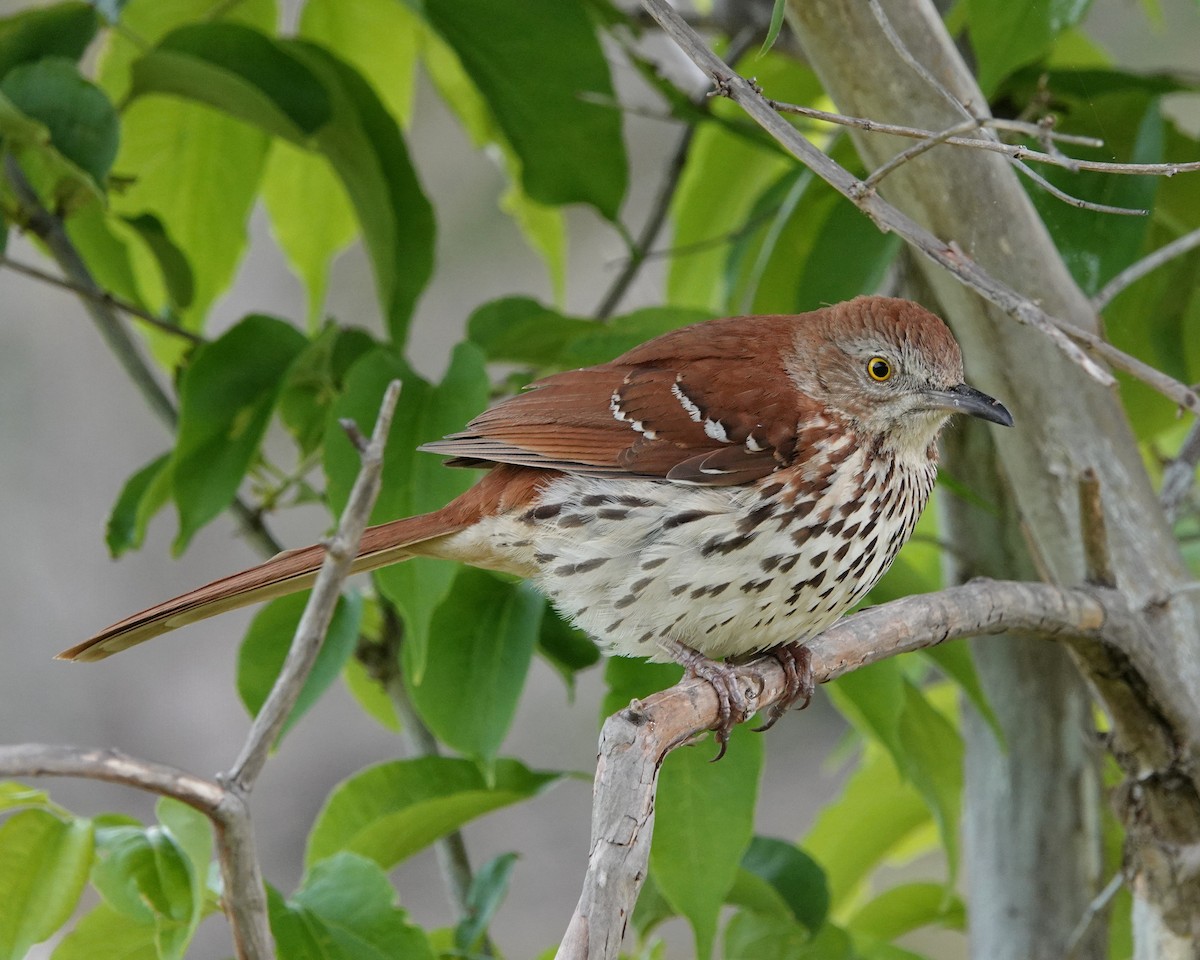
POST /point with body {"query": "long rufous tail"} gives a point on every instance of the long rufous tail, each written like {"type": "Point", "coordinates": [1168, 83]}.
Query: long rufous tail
{"type": "Point", "coordinates": [286, 573]}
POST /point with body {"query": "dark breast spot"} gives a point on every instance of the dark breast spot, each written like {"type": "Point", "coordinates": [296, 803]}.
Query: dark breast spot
{"type": "Point", "coordinates": [685, 516]}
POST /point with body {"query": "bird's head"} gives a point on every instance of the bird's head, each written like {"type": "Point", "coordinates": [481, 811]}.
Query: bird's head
{"type": "Point", "coordinates": [890, 366]}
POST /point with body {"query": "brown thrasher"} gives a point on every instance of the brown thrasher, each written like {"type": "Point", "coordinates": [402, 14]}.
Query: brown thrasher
{"type": "Point", "coordinates": [723, 489]}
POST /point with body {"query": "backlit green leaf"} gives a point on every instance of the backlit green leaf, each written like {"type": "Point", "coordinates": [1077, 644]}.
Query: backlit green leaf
{"type": "Point", "coordinates": [483, 635]}
{"type": "Point", "coordinates": [227, 397]}
{"type": "Point", "coordinates": [269, 639]}
{"type": "Point", "coordinates": [44, 863]}
{"type": "Point", "coordinates": [540, 67]}
{"type": "Point", "coordinates": [346, 910]}
{"type": "Point", "coordinates": [697, 798]}
{"type": "Point", "coordinates": [392, 810]}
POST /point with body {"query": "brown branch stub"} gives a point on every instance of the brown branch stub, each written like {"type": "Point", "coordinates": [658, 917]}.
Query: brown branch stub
{"type": "Point", "coordinates": [1094, 532]}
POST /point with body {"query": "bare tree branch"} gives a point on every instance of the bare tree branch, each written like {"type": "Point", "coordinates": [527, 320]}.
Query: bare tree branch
{"type": "Point", "coordinates": [225, 802]}
{"type": "Point", "coordinates": [635, 740]}
{"type": "Point", "coordinates": [1135, 271]}
{"type": "Point", "coordinates": [340, 552]}
{"type": "Point", "coordinates": [103, 296]}
{"type": "Point", "coordinates": [111, 766]}
{"type": "Point", "coordinates": [1014, 150]}
{"type": "Point", "coordinates": [889, 218]}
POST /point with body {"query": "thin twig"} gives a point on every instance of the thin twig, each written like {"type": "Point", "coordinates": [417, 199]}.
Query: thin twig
{"type": "Point", "coordinates": [885, 24]}
{"type": "Point", "coordinates": [340, 552]}
{"type": "Point", "coordinates": [889, 218]}
{"type": "Point", "coordinates": [1015, 150]}
{"type": "Point", "coordinates": [919, 148]}
{"type": "Point", "coordinates": [49, 228]}
{"type": "Point", "coordinates": [1135, 271]}
{"type": "Point", "coordinates": [102, 296]}
{"type": "Point", "coordinates": [1180, 474]}
{"type": "Point", "coordinates": [1072, 200]}
{"type": "Point", "coordinates": [1094, 910]}
{"type": "Point", "coordinates": [661, 205]}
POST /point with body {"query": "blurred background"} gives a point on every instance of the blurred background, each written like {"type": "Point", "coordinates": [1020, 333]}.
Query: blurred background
{"type": "Point", "coordinates": [72, 429]}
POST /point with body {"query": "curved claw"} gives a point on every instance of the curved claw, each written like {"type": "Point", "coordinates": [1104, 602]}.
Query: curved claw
{"type": "Point", "coordinates": [796, 660]}
{"type": "Point", "coordinates": [732, 708]}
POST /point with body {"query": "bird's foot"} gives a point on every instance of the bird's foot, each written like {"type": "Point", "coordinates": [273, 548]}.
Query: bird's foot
{"type": "Point", "coordinates": [796, 660]}
{"type": "Point", "coordinates": [732, 708]}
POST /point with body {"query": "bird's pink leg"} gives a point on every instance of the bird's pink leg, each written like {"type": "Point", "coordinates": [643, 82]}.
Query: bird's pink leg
{"type": "Point", "coordinates": [796, 660]}
{"type": "Point", "coordinates": [732, 708]}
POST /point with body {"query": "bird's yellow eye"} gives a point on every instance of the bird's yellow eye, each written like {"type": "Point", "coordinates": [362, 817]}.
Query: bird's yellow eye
{"type": "Point", "coordinates": [878, 369]}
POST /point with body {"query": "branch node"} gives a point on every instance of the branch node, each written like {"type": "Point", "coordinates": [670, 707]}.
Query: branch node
{"type": "Point", "coordinates": [350, 428]}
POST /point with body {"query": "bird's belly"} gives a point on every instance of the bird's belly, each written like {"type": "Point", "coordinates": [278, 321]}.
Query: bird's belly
{"type": "Point", "coordinates": [725, 570]}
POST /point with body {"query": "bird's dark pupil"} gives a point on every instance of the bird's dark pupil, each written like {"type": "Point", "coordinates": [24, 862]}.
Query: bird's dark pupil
{"type": "Point", "coordinates": [879, 369]}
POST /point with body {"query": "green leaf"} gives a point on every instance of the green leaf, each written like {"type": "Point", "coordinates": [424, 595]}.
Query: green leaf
{"type": "Point", "coordinates": [1007, 34]}
{"type": "Point", "coordinates": [933, 756]}
{"type": "Point", "coordinates": [631, 678]}
{"type": "Point", "coordinates": [876, 815]}
{"type": "Point", "coordinates": [227, 397]}
{"type": "Point", "coordinates": [954, 660]}
{"type": "Point", "coordinates": [776, 25]}
{"type": "Point", "coordinates": [484, 633]}
{"type": "Point", "coordinates": [798, 879]}
{"type": "Point", "coordinates": [311, 217]}
{"type": "Point", "coordinates": [236, 69]}
{"type": "Point", "coordinates": [828, 275]}
{"type": "Point", "coordinates": [908, 907]}
{"type": "Point", "coordinates": [192, 831]}
{"type": "Point", "coordinates": [165, 141]}
{"type": "Point", "coordinates": [414, 482]}
{"type": "Point", "coordinates": [44, 863]}
{"type": "Point", "coordinates": [872, 698]}
{"type": "Point", "coordinates": [105, 934]}
{"type": "Point", "coordinates": [367, 150]}
{"type": "Point", "coordinates": [352, 31]}
{"type": "Point", "coordinates": [697, 798]}
{"type": "Point", "coordinates": [316, 380]}
{"type": "Point", "coordinates": [754, 936]}
{"type": "Point", "coordinates": [565, 648]}
{"type": "Point", "coordinates": [710, 209]}
{"type": "Point", "coordinates": [144, 494]}
{"type": "Point", "coordinates": [541, 68]}
{"type": "Point", "coordinates": [60, 30]}
{"type": "Point", "coordinates": [14, 796]}
{"type": "Point", "coordinates": [176, 271]}
{"type": "Point", "coordinates": [488, 888]}
{"type": "Point", "coordinates": [371, 696]}
{"type": "Point", "coordinates": [1095, 245]}
{"type": "Point", "coordinates": [270, 638]}
{"type": "Point", "coordinates": [346, 910]}
{"type": "Point", "coordinates": [82, 123]}
{"type": "Point", "coordinates": [521, 330]}
{"type": "Point", "coordinates": [543, 225]}
{"type": "Point", "coordinates": [603, 342]}
{"type": "Point", "coordinates": [146, 875]}
{"type": "Point", "coordinates": [390, 811]}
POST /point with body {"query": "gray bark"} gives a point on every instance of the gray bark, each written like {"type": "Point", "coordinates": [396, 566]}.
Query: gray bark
{"type": "Point", "coordinates": [1066, 422]}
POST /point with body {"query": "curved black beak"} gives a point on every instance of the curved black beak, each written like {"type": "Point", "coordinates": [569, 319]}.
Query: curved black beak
{"type": "Point", "coordinates": [964, 399]}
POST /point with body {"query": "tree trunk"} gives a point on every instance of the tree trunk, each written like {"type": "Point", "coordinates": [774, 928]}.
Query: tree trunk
{"type": "Point", "coordinates": [1066, 422]}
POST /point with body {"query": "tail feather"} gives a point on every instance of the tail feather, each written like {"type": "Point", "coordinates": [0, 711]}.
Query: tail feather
{"type": "Point", "coordinates": [285, 573]}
